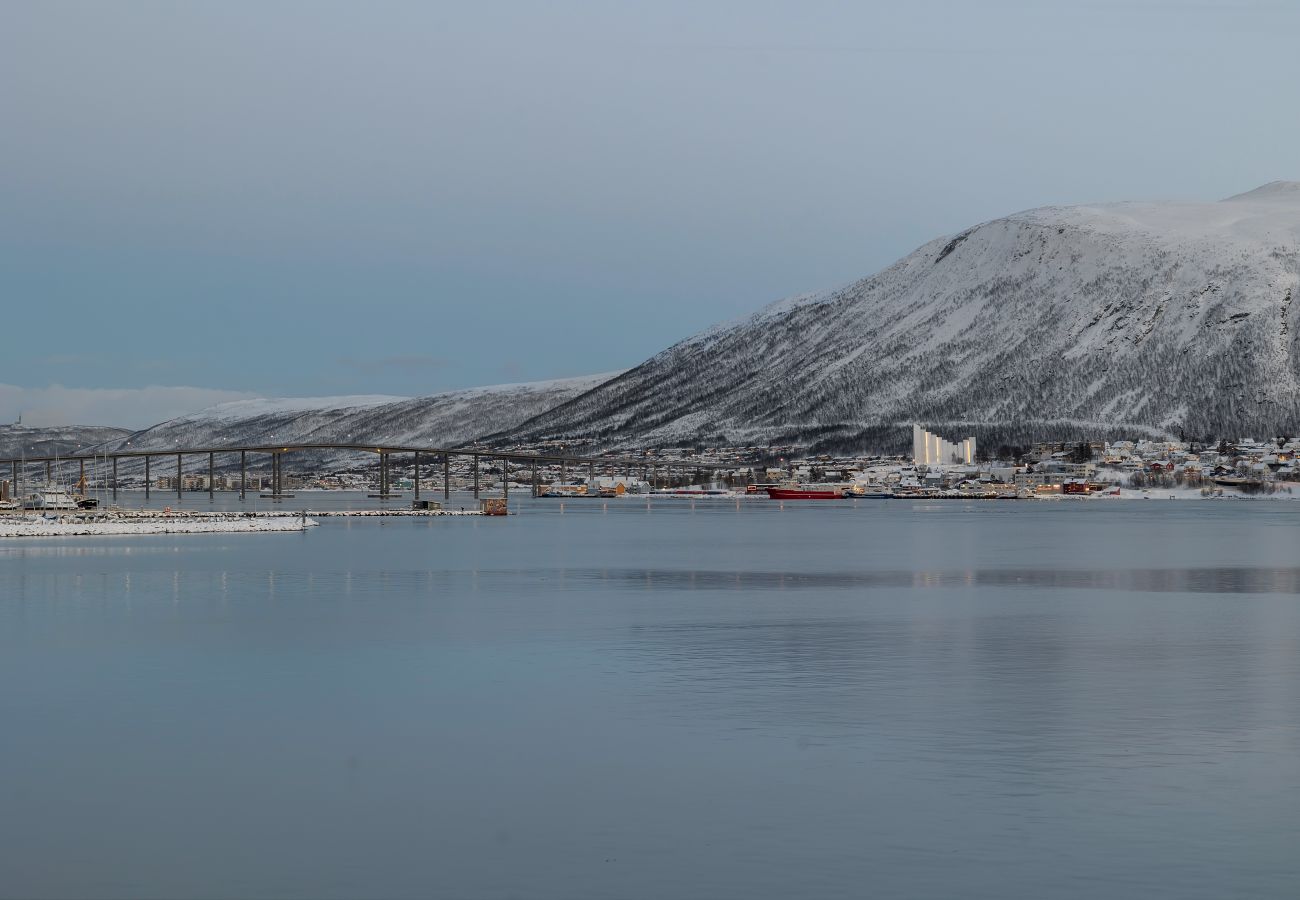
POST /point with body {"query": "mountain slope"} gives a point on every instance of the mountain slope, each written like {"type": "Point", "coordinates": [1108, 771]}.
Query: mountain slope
{"type": "Point", "coordinates": [1138, 318]}
{"type": "Point", "coordinates": [440, 420]}
{"type": "Point", "coordinates": [17, 441]}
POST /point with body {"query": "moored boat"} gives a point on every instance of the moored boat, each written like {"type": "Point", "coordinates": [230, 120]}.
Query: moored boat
{"type": "Point", "coordinates": [50, 497]}
{"type": "Point", "coordinates": [1243, 482]}
{"type": "Point", "coordinates": [799, 493]}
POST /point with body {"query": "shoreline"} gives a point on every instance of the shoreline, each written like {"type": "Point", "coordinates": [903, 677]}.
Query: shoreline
{"type": "Point", "coordinates": [143, 522]}
{"type": "Point", "coordinates": [20, 528]}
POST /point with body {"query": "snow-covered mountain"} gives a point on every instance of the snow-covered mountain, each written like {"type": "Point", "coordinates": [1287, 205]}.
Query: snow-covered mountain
{"type": "Point", "coordinates": [440, 420]}
{"type": "Point", "coordinates": [17, 441]}
{"type": "Point", "coordinates": [1136, 318]}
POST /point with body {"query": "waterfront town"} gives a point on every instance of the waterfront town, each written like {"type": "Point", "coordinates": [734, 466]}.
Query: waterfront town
{"type": "Point", "coordinates": [936, 469]}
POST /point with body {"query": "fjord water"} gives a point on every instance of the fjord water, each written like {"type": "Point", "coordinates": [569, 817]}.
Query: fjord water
{"type": "Point", "coordinates": [618, 699]}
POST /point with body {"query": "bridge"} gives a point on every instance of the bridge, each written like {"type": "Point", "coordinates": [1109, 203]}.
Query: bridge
{"type": "Point", "coordinates": [277, 453]}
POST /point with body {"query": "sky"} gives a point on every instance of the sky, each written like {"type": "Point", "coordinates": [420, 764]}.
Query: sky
{"type": "Point", "coordinates": [208, 201]}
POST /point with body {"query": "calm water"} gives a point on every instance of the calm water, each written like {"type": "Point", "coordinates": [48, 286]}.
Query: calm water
{"type": "Point", "coordinates": [906, 700]}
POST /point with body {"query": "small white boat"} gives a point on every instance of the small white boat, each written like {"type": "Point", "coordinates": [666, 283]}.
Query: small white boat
{"type": "Point", "coordinates": [50, 497]}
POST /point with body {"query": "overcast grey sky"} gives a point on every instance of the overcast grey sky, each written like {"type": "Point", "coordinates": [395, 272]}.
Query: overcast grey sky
{"type": "Point", "coordinates": [316, 198]}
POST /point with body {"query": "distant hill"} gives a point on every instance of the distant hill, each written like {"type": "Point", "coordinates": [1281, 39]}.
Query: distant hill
{"type": "Point", "coordinates": [1123, 318]}
{"type": "Point", "coordinates": [441, 420]}
{"type": "Point", "coordinates": [61, 440]}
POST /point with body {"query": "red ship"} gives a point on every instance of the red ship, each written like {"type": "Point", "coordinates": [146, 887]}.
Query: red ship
{"type": "Point", "coordinates": [777, 493]}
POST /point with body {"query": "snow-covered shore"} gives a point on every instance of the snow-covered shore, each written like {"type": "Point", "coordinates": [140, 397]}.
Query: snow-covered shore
{"type": "Point", "coordinates": [365, 513]}
{"type": "Point", "coordinates": [72, 526]}
{"type": "Point", "coordinates": [143, 521]}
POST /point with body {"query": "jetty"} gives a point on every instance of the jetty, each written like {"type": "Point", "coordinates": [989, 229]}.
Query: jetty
{"type": "Point", "coordinates": [147, 521]}
{"type": "Point", "coordinates": [73, 526]}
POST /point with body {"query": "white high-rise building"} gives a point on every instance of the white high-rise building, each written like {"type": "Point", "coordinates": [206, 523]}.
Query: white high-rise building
{"type": "Point", "coordinates": [931, 450]}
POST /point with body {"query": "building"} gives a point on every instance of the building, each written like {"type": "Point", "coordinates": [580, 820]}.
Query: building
{"type": "Point", "coordinates": [931, 450]}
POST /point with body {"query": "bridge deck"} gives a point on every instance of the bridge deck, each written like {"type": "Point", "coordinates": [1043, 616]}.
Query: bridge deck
{"type": "Point", "coordinates": [508, 456]}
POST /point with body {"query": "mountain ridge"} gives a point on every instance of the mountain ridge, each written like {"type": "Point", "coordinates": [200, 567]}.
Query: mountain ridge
{"type": "Point", "coordinates": [446, 419]}
{"type": "Point", "coordinates": [1149, 318]}
{"type": "Point", "coordinates": [17, 441]}
{"type": "Point", "coordinates": [1097, 320]}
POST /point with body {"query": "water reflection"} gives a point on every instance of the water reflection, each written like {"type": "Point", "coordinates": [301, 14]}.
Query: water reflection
{"type": "Point", "coordinates": [182, 585]}
{"type": "Point", "coordinates": [62, 548]}
{"type": "Point", "coordinates": [784, 704]}
{"type": "Point", "coordinates": [1043, 699]}
{"type": "Point", "coordinates": [1208, 580]}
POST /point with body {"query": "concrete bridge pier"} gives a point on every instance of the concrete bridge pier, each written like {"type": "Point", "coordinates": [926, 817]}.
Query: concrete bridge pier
{"type": "Point", "coordinates": [446, 476]}
{"type": "Point", "coordinates": [178, 478]}
{"type": "Point", "coordinates": [417, 474]}
{"type": "Point", "coordinates": [243, 473]}
{"type": "Point", "coordinates": [475, 476]}
{"type": "Point", "coordinates": [146, 477]}
{"type": "Point", "coordinates": [114, 479]}
{"type": "Point", "coordinates": [535, 483]}
{"type": "Point", "coordinates": [212, 476]}
{"type": "Point", "coordinates": [505, 478]}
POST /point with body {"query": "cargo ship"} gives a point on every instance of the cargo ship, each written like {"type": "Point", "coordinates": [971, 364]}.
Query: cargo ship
{"type": "Point", "coordinates": [805, 493]}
